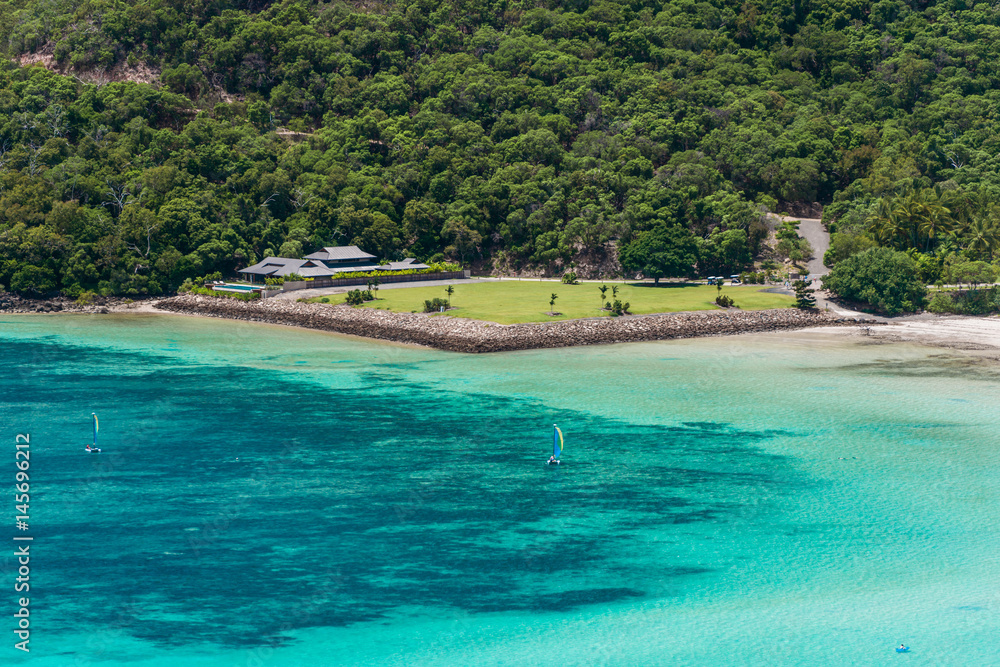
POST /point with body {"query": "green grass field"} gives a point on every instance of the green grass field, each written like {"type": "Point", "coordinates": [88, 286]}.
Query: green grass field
{"type": "Point", "coordinates": [512, 301]}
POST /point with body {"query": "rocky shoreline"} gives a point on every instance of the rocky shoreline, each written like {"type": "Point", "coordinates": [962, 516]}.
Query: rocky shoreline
{"type": "Point", "coordinates": [461, 335]}
{"type": "Point", "coordinates": [12, 303]}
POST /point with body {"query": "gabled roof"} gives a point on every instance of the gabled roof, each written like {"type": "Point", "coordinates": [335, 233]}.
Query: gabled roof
{"type": "Point", "coordinates": [282, 266]}
{"type": "Point", "coordinates": [340, 254]}
{"type": "Point", "coordinates": [312, 268]}
{"type": "Point", "coordinates": [391, 266]}
{"type": "Point", "coordinates": [408, 263]}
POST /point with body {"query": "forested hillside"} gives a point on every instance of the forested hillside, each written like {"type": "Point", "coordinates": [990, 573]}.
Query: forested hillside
{"type": "Point", "coordinates": [147, 141]}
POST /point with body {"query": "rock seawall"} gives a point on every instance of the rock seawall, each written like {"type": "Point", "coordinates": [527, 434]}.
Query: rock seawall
{"type": "Point", "coordinates": [12, 303]}
{"type": "Point", "coordinates": [461, 335]}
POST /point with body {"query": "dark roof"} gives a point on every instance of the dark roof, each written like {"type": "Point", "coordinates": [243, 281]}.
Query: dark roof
{"type": "Point", "coordinates": [340, 254]}
{"type": "Point", "coordinates": [282, 266]}
{"type": "Point", "coordinates": [408, 263]}
{"type": "Point", "coordinates": [391, 266]}
{"type": "Point", "coordinates": [311, 268]}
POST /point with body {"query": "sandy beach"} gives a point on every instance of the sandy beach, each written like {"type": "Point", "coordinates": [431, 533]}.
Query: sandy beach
{"type": "Point", "coordinates": [955, 332]}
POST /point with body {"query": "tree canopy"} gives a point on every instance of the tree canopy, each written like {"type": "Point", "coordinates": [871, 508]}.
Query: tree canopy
{"type": "Point", "coordinates": [143, 142]}
{"type": "Point", "coordinates": [885, 279]}
{"type": "Point", "coordinates": [662, 252]}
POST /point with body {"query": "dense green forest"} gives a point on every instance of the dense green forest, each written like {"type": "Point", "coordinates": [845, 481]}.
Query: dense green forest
{"type": "Point", "coordinates": [143, 142]}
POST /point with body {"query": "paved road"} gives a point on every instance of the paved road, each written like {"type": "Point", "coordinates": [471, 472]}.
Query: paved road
{"type": "Point", "coordinates": [811, 229]}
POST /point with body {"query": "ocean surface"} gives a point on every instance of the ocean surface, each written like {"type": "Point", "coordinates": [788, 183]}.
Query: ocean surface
{"type": "Point", "coordinates": [272, 496]}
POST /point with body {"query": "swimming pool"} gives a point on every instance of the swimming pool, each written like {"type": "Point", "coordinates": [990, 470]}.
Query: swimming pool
{"type": "Point", "coordinates": [227, 287]}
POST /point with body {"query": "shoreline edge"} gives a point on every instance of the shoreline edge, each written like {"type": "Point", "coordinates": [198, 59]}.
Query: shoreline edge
{"type": "Point", "coordinates": [477, 336]}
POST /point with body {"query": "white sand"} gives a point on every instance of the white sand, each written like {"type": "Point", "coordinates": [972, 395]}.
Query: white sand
{"type": "Point", "coordinates": [969, 333]}
{"type": "Point", "coordinates": [954, 332]}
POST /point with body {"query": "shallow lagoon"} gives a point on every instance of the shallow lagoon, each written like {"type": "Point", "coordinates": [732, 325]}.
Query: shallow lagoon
{"type": "Point", "coordinates": [276, 496]}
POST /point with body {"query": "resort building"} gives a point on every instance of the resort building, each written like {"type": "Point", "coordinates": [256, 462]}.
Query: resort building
{"type": "Point", "coordinates": [344, 255]}
{"type": "Point", "coordinates": [325, 263]}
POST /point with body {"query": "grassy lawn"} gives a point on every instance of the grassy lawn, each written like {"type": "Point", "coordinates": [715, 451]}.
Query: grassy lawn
{"type": "Point", "coordinates": [511, 301]}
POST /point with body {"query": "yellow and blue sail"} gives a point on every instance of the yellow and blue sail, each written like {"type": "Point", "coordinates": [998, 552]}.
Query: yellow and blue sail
{"type": "Point", "coordinates": [557, 441]}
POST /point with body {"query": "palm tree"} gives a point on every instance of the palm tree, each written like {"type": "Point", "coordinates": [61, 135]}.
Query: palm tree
{"type": "Point", "coordinates": [908, 212]}
{"type": "Point", "coordinates": [982, 236]}
{"type": "Point", "coordinates": [449, 291]}
{"type": "Point", "coordinates": [885, 224]}
{"type": "Point", "coordinates": [907, 219]}
{"type": "Point", "coordinates": [959, 203]}
{"type": "Point", "coordinates": [934, 220]}
{"type": "Point", "coordinates": [552, 302]}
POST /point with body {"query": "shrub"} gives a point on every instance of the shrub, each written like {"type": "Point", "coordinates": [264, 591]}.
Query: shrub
{"type": "Point", "coordinates": [569, 278]}
{"type": "Point", "coordinates": [438, 267]}
{"type": "Point", "coordinates": [357, 297]}
{"type": "Point", "coordinates": [240, 296]}
{"type": "Point", "coordinates": [882, 278]}
{"type": "Point", "coordinates": [200, 282]}
{"type": "Point", "coordinates": [294, 277]}
{"type": "Point", "coordinates": [86, 298]}
{"type": "Point", "coordinates": [753, 278]}
{"type": "Point", "coordinates": [433, 268]}
{"type": "Point", "coordinates": [942, 303]}
{"type": "Point", "coordinates": [972, 302]}
{"type": "Point", "coordinates": [435, 304]}
{"type": "Point", "coordinates": [724, 300]}
{"type": "Point", "coordinates": [618, 308]}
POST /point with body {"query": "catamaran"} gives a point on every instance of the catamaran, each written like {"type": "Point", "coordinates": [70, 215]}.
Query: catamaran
{"type": "Point", "coordinates": [557, 446]}
{"type": "Point", "coordinates": [93, 448]}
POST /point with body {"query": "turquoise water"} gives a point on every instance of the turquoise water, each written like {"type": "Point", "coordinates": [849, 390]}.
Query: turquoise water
{"type": "Point", "coordinates": [271, 496]}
